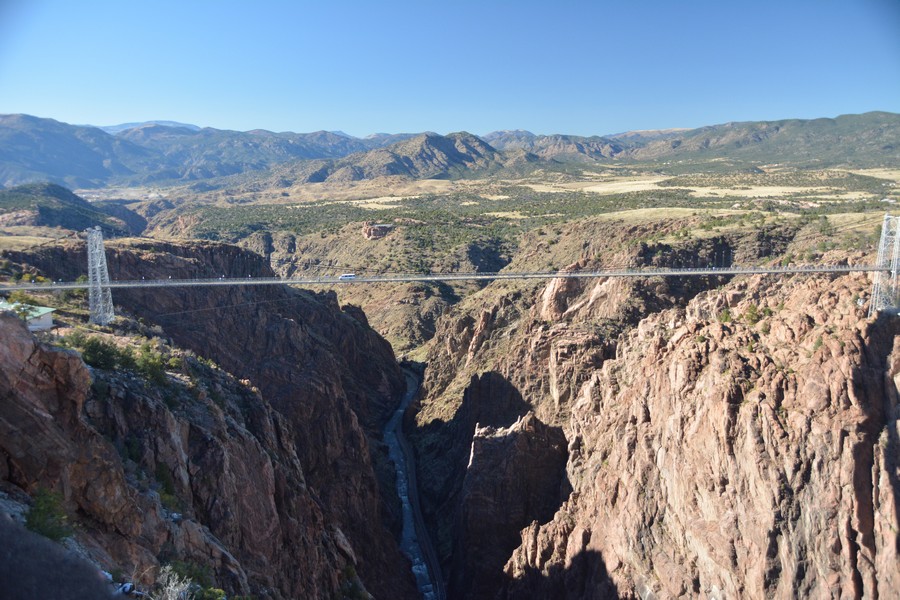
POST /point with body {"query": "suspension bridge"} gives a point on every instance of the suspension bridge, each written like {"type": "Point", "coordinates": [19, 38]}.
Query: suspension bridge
{"type": "Point", "coordinates": [885, 290]}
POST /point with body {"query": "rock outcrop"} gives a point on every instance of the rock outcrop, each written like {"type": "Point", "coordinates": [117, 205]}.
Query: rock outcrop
{"type": "Point", "coordinates": [515, 476]}
{"type": "Point", "coordinates": [376, 231]}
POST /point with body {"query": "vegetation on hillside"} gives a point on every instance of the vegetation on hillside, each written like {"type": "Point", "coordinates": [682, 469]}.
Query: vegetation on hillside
{"type": "Point", "coordinates": [51, 205]}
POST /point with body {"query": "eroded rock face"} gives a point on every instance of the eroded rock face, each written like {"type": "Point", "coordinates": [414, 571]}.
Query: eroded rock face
{"type": "Point", "coordinates": [244, 509]}
{"type": "Point", "coordinates": [327, 373]}
{"type": "Point", "coordinates": [725, 438]}
{"type": "Point", "coordinates": [489, 400]}
{"type": "Point", "coordinates": [332, 379]}
{"type": "Point", "coordinates": [376, 231]}
{"type": "Point", "coordinates": [734, 459]}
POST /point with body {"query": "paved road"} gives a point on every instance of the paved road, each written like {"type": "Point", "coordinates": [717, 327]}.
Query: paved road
{"type": "Point", "coordinates": [412, 277]}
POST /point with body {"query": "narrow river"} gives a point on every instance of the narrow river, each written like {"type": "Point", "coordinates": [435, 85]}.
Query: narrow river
{"type": "Point", "coordinates": [415, 541]}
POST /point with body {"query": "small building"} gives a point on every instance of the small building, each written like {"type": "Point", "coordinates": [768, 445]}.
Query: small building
{"type": "Point", "coordinates": [40, 318]}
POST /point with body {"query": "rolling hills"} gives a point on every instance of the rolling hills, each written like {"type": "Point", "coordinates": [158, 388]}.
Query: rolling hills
{"type": "Point", "coordinates": [34, 149]}
{"type": "Point", "coordinates": [865, 140]}
{"type": "Point", "coordinates": [79, 156]}
{"type": "Point", "coordinates": [423, 156]}
{"type": "Point", "coordinates": [50, 205]}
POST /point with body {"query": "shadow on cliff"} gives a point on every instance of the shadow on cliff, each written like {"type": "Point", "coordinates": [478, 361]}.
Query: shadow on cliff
{"type": "Point", "coordinates": [882, 415]}
{"type": "Point", "coordinates": [876, 396]}
{"type": "Point", "coordinates": [32, 566]}
{"type": "Point", "coordinates": [443, 446]}
{"type": "Point", "coordinates": [585, 577]}
{"type": "Point", "coordinates": [891, 463]}
{"type": "Point", "coordinates": [480, 489]}
{"type": "Point", "coordinates": [442, 449]}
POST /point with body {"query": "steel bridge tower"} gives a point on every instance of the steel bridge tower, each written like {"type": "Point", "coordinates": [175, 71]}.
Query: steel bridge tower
{"type": "Point", "coordinates": [99, 294]}
{"type": "Point", "coordinates": [885, 290]}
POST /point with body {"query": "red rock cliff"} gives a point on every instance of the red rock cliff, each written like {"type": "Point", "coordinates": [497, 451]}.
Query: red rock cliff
{"type": "Point", "coordinates": [748, 452]}
{"type": "Point", "coordinates": [332, 379]}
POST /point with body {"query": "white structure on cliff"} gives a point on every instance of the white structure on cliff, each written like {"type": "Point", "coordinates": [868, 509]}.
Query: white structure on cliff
{"type": "Point", "coordinates": [38, 318]}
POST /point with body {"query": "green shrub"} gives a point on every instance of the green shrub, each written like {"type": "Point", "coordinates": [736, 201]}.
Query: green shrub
{"type": "Point", "coordinates": [199, 574]}
{"type": "Point", "coordinates": [170, 502]}
{"type": "Point", "coordinates": [351, 587]}
{"type": "Point", "coordinates": [23, 298]}
{"type": "Point", "coordinates": [724, 315]}
{"type": "Point", "coordinates": [150, 364]}
{"type": "Point", "coordinates": [165, 479]}
{"type": "Point", "coordinates": [24, 311]}
{"type": "Point", "coordinates": [100, 389]}
{"type": "Point", "coordinates": [76, 339]}
{"type": "Point", "coordinates": [752, 314]}
{"type": "Point", "coordinates": [47, 516]}
{"type": "Point", "coordinates": [125, 359]}
{"type": "Point", "coordinates": [167, 496]}
{"type": "Point", "coordinates": [100, 354]}
{"type": "Point", "coordinates": [817, 344]}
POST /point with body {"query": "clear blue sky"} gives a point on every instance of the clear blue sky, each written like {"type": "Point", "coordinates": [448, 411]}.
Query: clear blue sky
{"type": "Point", "coordinates": [381, 65]}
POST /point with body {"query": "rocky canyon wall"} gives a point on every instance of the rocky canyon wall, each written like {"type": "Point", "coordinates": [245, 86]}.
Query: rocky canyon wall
{"type": "Point", "coordinates": [330, 381]}
{"type": "Point", "coordinates": [723, 439]}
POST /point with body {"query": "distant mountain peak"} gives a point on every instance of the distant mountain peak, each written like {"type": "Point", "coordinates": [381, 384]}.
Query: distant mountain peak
{"type": "Point", "coordinates": [509, 134]}
{"type": "Point", "coordinates": [114, 129]}
{"type": "Point", "coordinates": [523, 132]}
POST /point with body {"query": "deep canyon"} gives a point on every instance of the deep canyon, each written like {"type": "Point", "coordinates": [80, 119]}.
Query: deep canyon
{"type": "Point", "coordinates": [644, 438]}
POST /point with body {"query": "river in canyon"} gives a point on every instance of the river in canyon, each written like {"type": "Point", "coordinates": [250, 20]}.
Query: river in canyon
{"type": "Point", "coordinates": [414, 541]}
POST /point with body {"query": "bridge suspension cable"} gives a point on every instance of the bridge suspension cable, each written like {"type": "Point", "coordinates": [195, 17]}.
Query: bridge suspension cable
{"type": "Point", "coordinates": [885, 292]}
{"type": "Point", "coordinates": [451, 276]}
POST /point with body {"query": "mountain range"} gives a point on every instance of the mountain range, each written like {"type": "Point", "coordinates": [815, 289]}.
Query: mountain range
{"type": "Point", "coordinates": [163, 152]}
{"type": "Point", "coordinates": [114, 129]}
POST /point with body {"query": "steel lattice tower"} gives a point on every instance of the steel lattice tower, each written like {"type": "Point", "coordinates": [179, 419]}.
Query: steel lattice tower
{"type": "Point", "coordinates": [885, 290]}
{"type": "Point", "coordinates": [99, 296]}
